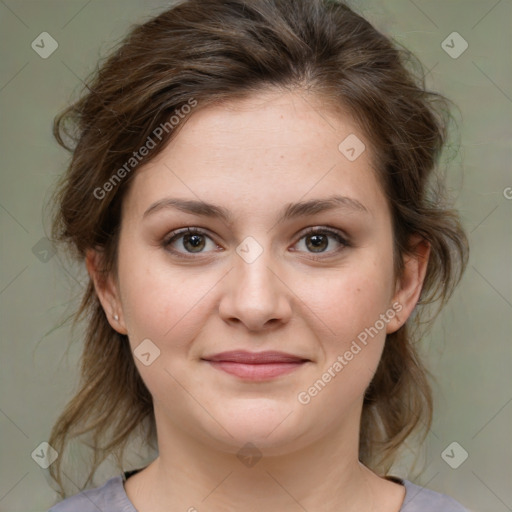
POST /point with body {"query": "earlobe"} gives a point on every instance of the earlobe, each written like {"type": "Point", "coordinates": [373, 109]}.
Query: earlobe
{"type": "Point", "coordinates": [410, 283]}
{"type": "Point", "coordinates": [106, 290]}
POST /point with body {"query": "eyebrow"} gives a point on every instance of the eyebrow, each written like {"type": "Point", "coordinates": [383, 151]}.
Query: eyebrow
{"type": "Point", "coordinates": [290, 210]}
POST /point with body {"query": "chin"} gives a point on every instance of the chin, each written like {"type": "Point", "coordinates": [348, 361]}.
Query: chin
{"type": "Point", "coordinates": [266, 424]}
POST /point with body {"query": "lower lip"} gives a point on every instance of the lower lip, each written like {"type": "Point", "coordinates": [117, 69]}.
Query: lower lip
{"type": "Point", "coordinates": [256, 371]}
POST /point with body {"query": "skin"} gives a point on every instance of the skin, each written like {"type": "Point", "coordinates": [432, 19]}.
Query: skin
{"type": "Point", "coordinates": [252, 157]}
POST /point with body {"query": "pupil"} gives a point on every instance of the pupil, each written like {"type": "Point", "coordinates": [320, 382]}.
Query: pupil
{"type": "Point", "coordinates": [318, 241]}
{"type": "Point", "coordinates": [195, 240]}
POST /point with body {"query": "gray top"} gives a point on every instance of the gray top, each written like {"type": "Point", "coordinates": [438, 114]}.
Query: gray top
{"type": "Point", "coordinates": [112, 497]}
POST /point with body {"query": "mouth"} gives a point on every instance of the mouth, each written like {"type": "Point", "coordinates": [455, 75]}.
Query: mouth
{"type": "Point", "coordinates": [256, 365]}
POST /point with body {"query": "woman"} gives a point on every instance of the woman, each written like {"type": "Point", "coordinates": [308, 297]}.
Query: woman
{"type": "Point", "coordinates": [251, 190]}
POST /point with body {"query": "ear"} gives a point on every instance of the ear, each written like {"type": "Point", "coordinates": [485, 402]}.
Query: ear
{"type": "Point", "coordinates": [107, 290]}
{"type": "Point", "coordinates": [410, 283]}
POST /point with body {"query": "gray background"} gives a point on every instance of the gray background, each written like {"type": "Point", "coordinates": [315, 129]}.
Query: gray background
{"type": "Point", "coordinates": [469, 350]}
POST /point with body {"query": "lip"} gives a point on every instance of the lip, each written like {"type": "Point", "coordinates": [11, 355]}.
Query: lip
{"type": "Point", "coordinates": [245, 357]}
{"type": "Point", "coordinates": [256, 365]}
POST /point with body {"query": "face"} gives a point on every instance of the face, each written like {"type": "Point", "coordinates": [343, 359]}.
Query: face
{"type": "Point", "coordinates": [271, 274]}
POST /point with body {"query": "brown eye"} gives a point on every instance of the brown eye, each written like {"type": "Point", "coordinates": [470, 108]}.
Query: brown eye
{"type": "Point", "coordinates": [188, 241]}
{"type": "Point", "coordinates": [195, 242]}
{"type": "Point", "coordinates": [322, 240]}
{"type": "Point", "coordinates": [317, 243]}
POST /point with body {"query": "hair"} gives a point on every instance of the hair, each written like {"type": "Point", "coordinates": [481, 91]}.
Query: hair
{"type": "Point", "coordinates": [212, 51]}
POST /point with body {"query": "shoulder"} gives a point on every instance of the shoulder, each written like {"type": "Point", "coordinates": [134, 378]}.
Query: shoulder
{"type": "Point", "coordinates": [420, 499]}
{"type": "Point", "coordinates": [111, 497]}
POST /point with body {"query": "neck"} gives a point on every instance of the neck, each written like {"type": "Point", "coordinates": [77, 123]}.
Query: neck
{"type": "Point", "coordinates": [190, 475]}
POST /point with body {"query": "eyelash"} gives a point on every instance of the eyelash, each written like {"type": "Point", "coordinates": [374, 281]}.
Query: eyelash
{"type": "Point", "coordinates": [175, 235]}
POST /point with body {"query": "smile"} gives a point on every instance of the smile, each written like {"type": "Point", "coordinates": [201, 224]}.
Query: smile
{"type": "Point", "coordinates": [256, 366]}
{"type": "Point", "coordinates": [263, 371]}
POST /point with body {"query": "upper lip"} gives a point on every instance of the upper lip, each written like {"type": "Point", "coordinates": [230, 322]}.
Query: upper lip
{"type": "Point", "coordinates": [245, 357]}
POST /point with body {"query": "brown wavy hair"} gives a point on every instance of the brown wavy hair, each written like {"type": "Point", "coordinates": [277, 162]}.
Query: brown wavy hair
{"type": "Point", "coordinates": [220, 50]}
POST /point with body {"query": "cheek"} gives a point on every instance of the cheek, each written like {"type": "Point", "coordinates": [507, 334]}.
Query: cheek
{"type": "Point", "coordinates": [166, 306]}
{"type": "Point", "coordinates": [353, 309]}
{"type": "Point", "coordinates": [166, 303]}
{"type": "Point", "coordinates": [353, 298]}
{"type": "Point", "coordinates": [349, 359]}
{"type": "Point", "coordinates": [163, 303]}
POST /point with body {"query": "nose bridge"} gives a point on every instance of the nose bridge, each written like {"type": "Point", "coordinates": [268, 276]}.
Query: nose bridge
{"type": "Point", "coordinates": [255, 294]}
{"type": "Point", "coordinates": [254, 275]}
{"type": "Point", "coordinates": [255, 279]}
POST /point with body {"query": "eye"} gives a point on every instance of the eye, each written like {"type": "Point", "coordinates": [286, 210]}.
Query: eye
{"type": "Point", "coordinates": [317, 240]}
{"type": "Point", "coordinates": [188, 241]}
{"type": "Point", "coordinates": [191, 240]}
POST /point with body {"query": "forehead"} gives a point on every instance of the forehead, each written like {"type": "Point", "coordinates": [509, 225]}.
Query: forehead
{"type": "Point", "coordinates": [268, 124]}
{"type": "Point", "coordinates": [267, 149]}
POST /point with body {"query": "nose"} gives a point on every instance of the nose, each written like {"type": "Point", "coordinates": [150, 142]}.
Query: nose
{"type": "Point", "coordinates": [256, 295]}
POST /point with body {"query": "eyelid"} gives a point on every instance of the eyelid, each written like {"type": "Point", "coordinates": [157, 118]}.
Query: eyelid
{"type": "Point", "coordinates": [189, 229]}
{"type": "Point", "coordinates": [324, 229]}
